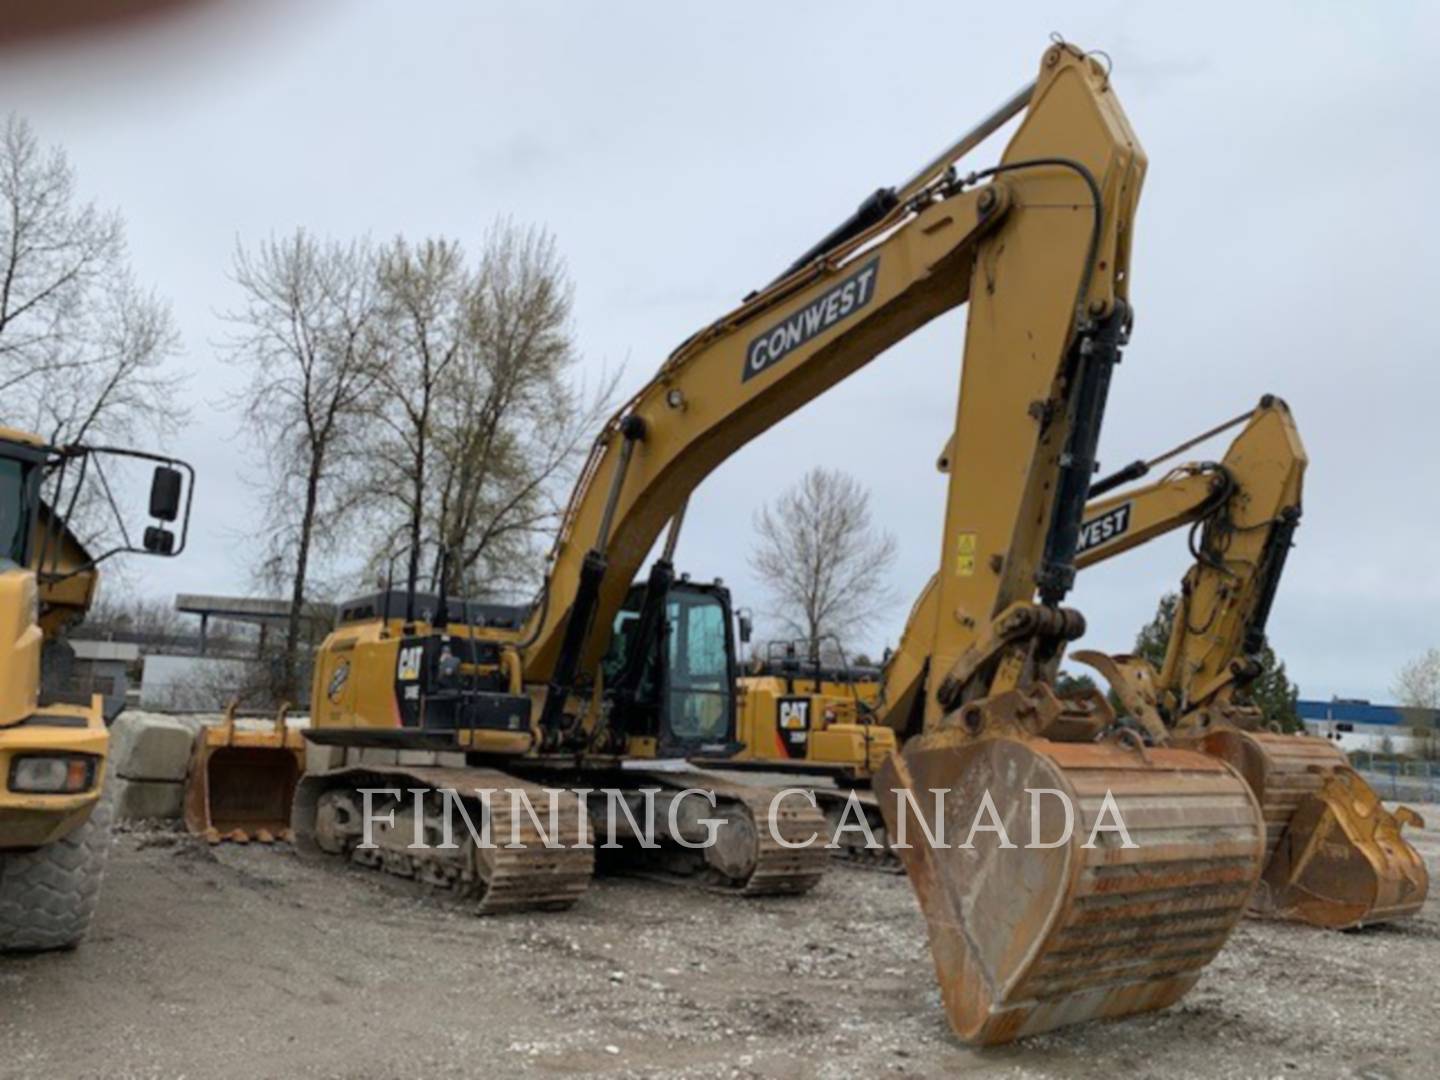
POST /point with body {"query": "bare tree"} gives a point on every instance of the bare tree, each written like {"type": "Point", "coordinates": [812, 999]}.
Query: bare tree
{"type": "Point", "coordinates": [1417, 690]}
{"type": "Point", "coordinates": [517, 423]}
{"type": "Point", "coordinates": [83, 349]}
{"type": "Point", "coordinates": [481, 421]}
{"type": "Point", "coordinates": [1417, 684]}
{"type": "Point", "coordinates": [419, 336]}
{"type": "Point", "coordinates": [125, 617]}
{"type": "Point", "coordinates": [821, 558]}
{"type": "Point", "coordinates": [303, 334]}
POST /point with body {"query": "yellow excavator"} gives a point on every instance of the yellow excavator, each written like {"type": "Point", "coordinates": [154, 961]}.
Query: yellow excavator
{"type": "Point", "coordinates": [423, 703]}
{"type": "Point", "coordinates": [54, 817]}
{"type": "Point", "coordinates": [1335, 857]}
{"type": "Point", "coordinates": [804, 707]}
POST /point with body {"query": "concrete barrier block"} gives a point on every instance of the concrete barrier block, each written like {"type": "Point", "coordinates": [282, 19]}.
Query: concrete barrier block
{"type": "Point", "coordinates": [374, 755]}
{"type": "Point", "coordinates": [147, 799]}
{"type": "Point", "coordinates": [323, 758]}
{"type": "Point", "coordinates": [149, 747]}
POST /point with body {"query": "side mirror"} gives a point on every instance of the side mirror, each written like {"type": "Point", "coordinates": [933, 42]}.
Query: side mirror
{"type": "Point", "coordinates": [164, 497]}
{"type": "Point", "coordinates": [159, 540]}
{"type": "Point", "coordinates": [746, 629]}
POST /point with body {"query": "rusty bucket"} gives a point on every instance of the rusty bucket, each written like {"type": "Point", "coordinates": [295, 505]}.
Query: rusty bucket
{"type": "Point", "coordinates": [1343, 862]}
{"type": "Point", "coordinates": [1059, 929]}
{"type": "Point", "coordinates": [241, 782]}
{"type": "Point", "coordinates": [1335, 856]}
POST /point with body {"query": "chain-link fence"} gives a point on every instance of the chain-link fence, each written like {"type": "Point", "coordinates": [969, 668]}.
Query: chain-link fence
{"type": "Point", "coordinates": [1398, 778]}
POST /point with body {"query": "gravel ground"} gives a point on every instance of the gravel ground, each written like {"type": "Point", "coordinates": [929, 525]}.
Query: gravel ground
{"type": "Point", "coordinates": [249, 962]}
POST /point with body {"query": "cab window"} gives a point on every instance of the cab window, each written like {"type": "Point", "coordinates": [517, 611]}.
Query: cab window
{"type": "Point", "coordinates": [14, 511]}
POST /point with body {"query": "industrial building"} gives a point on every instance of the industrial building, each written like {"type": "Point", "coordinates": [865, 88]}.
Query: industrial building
{"type": "Point", "coordinates": [1354, 724]}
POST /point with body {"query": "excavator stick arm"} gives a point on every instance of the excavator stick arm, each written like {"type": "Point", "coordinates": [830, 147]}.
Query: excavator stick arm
{"type": "Point", "coordinates": [1028, 939]}
{"type": "Point", "coordinates": [1119, 523]}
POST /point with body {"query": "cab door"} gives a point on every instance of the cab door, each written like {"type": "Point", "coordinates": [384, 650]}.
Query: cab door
{"type": "Point", "coordinates": [698, 672]}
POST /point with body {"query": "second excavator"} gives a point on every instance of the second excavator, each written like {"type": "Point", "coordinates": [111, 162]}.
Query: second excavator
{"type": "Point", "coordinates": [1334, 855]}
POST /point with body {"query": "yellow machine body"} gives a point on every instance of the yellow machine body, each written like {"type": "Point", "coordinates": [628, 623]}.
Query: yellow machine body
{"type": "Point", "coordinates": [811, 724]}
{"type": "Point", "coordinates": [54, 814]}
{"type": "Point", "coordinates": [30, 615]}
{"type": "Point", "coordinates": [359, 683]}
{"type": "Point", "coordinates": [30, 820]}
{"type": "Point", "coordinates": [242, 779]}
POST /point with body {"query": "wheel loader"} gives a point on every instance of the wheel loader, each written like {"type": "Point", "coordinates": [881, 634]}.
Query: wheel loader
{"type": "Point", "coordinates": [422, 706]}
{"type": "Point", "coordinates": [54, 812]}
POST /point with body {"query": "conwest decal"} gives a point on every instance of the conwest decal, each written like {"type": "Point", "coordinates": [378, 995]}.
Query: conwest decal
{"type": "Point", "coordinates": [1101, 530]}
{"type": "Point", "coordinates": [830, 307]}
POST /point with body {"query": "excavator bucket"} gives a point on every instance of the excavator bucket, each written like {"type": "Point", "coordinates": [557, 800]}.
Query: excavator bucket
{"type": "Point", "coordinates": [241, 783]}
{"type": "Point", "coordinates": [1112, 906]}
{"type": "Point", "coordinates": [1335, 856]}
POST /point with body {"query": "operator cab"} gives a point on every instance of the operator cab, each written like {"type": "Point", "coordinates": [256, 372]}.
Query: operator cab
{"type": "Point", "coordinates": [673, 695]}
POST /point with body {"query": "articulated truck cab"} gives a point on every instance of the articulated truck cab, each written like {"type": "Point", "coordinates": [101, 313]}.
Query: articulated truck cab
{"type": "Point", "coordinates": [54, 818]}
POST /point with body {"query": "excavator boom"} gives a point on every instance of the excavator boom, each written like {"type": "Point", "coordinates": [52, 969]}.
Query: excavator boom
{"type": "Point", "coordinates": [1079, 167]}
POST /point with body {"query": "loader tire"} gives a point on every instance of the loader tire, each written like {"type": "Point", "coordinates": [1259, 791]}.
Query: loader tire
{"type": "Point", "coordinates": [48, 896]}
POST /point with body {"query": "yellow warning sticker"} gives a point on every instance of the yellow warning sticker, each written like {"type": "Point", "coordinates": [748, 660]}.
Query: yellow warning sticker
{"type": "Point", "coordinates": [965, 554]}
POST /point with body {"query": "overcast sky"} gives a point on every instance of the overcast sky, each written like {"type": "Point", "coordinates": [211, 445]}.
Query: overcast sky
{"type": "Point", "coordinates": [683, 153]}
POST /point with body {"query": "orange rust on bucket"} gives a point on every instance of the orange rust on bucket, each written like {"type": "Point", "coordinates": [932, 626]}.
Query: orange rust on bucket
{"type": "Point", "coordinates": [1027, 938]}
{"type": "Point", "coordinates": [1335, 857]}
{"type": "Point", "coordinates": [241, 783]}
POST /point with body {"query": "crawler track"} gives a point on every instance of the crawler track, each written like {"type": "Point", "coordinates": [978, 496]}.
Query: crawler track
{"type": "Point", "coordinates": [497, 877]}
{"type": "Point", "coordinates": [749, 860]}
{"type": "Point", "coordinates": [853, 848]}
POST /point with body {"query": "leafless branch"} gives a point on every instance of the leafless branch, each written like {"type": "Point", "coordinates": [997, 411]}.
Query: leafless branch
{"type": "Point", "coordinates": [303, 333]}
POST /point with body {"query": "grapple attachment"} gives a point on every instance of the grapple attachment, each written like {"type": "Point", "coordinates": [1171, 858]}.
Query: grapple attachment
{"type": "Point", "coordinates": [1335, 855]}
{"type": "Point", "coordinates": [1060, 929]}
{"type": "Point", "coordinates": [241, 783]}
